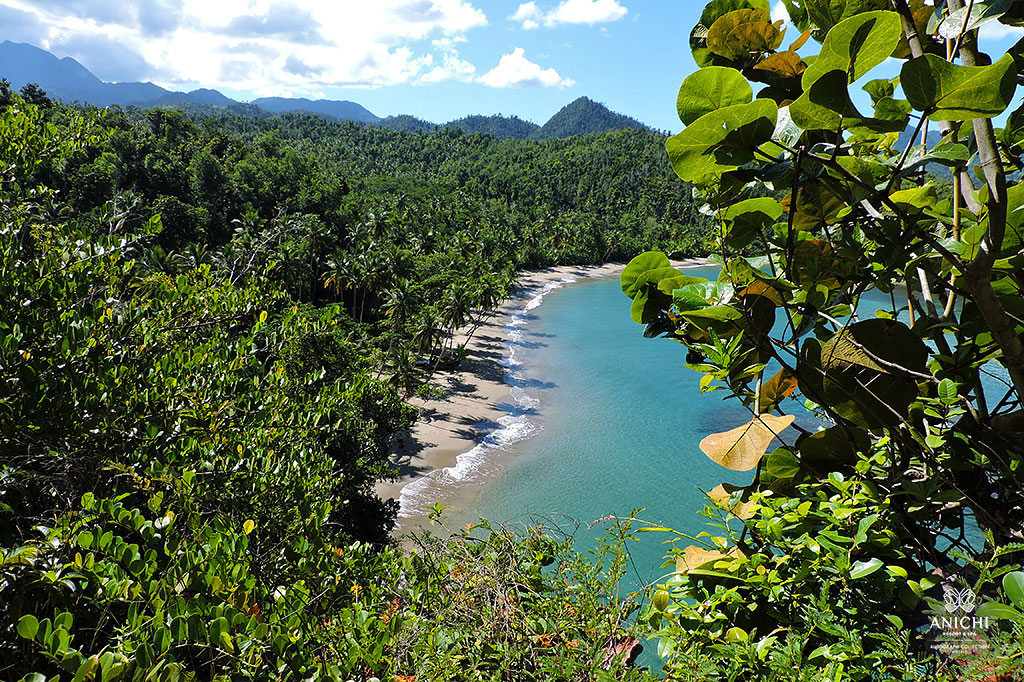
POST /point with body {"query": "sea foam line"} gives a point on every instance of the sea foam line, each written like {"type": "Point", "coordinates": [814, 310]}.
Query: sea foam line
{"type": "Point", "coordinates": [479, 463]}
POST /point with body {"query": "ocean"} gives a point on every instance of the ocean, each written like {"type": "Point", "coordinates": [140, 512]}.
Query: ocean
{"type": "Point", "coordinates": [603, 421]}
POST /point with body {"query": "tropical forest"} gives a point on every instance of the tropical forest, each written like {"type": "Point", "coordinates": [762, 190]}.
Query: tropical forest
{"type": "Point", "coordinates": [225, 330]}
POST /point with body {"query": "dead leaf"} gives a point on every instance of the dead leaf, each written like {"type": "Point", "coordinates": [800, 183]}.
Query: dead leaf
{"type": "Point", "coordinates": [740, 449]}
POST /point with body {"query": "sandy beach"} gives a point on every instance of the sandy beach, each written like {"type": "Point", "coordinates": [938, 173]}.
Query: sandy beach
{"type": "Point", "coordinates": [474, 394]}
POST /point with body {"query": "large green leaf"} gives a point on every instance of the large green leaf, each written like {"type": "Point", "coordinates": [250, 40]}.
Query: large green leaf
{"type": "Point", "coordinates": [855, 46]}
{"type": "Point", "coordinates": [670, 284]}
{"type": "Point", "coordinates": [746, 219]}
{"type": "Point", "coordinates": [949, 92]}
{"type": "Point", "coordinates": [1013, 586]}
{"type": "Point", "coordinates": [709, 89]}
{"type": "Point", "coordinates": [634, 276]}
{"type": "Point", "coordinates": [703, 295]}
{"type": "Point", "coordinates": [722, 140]}
{"type": "Point", "coordinates": [744, 33]}
{"type": "Point", "coordinates": [826, 105]}
{"type": "Point", "coordinates": [829, 449]}
{"type": "Point", "coordinates": [995, 610]}
{"type": "Point", "coordinates": [28, 626]}
{"type": "Point", "coordinates": [824, 14]}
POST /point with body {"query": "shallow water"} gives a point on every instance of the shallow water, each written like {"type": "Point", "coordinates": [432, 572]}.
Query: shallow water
{"type": "Point", "coordinates": [602, 421]}
{"type": "Point", "coordinates": [616, 421]}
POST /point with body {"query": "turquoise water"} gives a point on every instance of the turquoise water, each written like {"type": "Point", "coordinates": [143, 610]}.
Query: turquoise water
{"type": "Point", "coordinates": [620, 420]}
{"type": "Point", "coordinates": [601, 421]}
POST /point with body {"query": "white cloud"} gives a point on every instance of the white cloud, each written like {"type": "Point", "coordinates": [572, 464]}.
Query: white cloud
{"type": "Point", "coordinates": [585, 12]}
{"type": "Point", "coordinates": [452, 66]}
{"type": "Point", "coordinates": [779, 12]}
{"type": "Point", "coordinates": [297, 46]}
{"type": "Point", "coordinates": [569, 12]}
{"type": "Point", "coordinates": [529, 15]}
{"type": "Point", "coordinates": [516, 71]}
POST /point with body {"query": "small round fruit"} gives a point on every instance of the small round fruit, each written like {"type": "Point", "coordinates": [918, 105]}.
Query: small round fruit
{"type": "Point", "coordinates": [660, 600]}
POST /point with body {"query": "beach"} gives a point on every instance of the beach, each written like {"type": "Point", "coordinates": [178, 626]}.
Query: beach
{"type": "Point", "coordinates": [478, 406]}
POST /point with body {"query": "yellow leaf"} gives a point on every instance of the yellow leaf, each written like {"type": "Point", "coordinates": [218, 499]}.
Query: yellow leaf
{"type": "Point", "coordinates": [785, 64]}
{"type": "Point", "coordinates": [694, 556]}
{"type": "Point", "coordinates": [776, 389]}
{"type": "Point", "coordinates": [720, 495]}
{"type": "Point", "coordinates": [248, 526]}
{"type": "Point", "coordinates": [740, 449]}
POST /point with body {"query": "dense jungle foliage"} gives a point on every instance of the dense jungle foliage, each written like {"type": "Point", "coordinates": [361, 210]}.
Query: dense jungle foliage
{"type": "Point", "coordinates": [208, 332]}
{"type": "Point", "coordinates": [881, 540]}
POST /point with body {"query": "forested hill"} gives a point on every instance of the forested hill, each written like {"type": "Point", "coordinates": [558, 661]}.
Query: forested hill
{"type": "Point", "coordinates": [582, 117]}
{"type": "Point", "coordinates": [209, 330]}
{"type": "Point", "coordinates": [68, 81]}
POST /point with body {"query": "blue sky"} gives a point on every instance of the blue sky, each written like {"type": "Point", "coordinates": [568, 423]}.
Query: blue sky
{"type": "Point", "coordinates": [435, 59]}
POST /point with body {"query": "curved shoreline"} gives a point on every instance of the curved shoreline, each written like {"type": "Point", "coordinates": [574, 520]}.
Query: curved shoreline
{"type": "Point", "coordinates": [478, 410]}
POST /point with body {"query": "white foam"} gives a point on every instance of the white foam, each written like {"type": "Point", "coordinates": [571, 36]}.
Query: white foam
{"type": "Point", "coordinates": [483, 461]}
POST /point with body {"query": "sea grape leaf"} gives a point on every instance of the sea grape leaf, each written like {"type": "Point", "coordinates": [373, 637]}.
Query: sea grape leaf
{"type": "Point", "coordinates": [825, 104]}
{"type": "Point", "coordinates": [786, 64]}
{"type": "Point", "coordinates": [833, 446]}
{"type": "Point", "coordinates": [855, 46]}
{"type": "Point", "coordinates": [880, 88]}
{"type": "Point", "coordinates": [647, 305]}
{"type": "Point", "coordinates": [710, 89]}
{"type": "Point", "coordinates": [776, 389]}
{"type": "Point", "coordinates": [740, 449]}
{"type": "Point", "coordinates": [749, 218]}
{"type": "Point", "coordinates": [950, 92]}
{"type": "Point", "coordinates": [869, 399]}
{"type": "Point", "coordinates": [916, 198]}
{"type": "Point", "coordinates": [782, 463]}
{"type": "Point", "coordinates": [702, 295]}
{"type": "Point", "coordinates": [715, 313]}
{"type": "Point", "coordinates": [712, 11]}
{"type": "Point", "coordinates": [824, 14]}
{"type": "Point", "coordinates": [721, 495]}
{"type": "Point", "coordinates": [816, 205]}
{"type": "Point", "coordinates": [634, 276]}
{"type": "Point", "coordinates": [981, 14]}
{"type": "Point", "coordinates": [743, 33]}
{"type": "Point", "coordinates": [881, 345]}
{"type": "Point", "coordinates": [721, 140]}
{"type": "Point", "coordinates": [670, 284]}
{"type": "Point", "coordinates": [28, 626]}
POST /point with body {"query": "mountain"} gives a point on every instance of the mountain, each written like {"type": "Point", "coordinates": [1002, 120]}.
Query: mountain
{"type": "Point", "coordinates": [499, 126]}
{"type": "Point", "coordinates": [67, 80]}
{"type": "Point", "coordinates": [407, 124]}
{"type": "Point", "coordinates": [342, 110]}
{"type": "Point", "coordinates": [582, 117]}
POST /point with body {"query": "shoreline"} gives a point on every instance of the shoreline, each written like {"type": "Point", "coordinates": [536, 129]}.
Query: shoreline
{"type": "Point", "coordinates": [477, 401]}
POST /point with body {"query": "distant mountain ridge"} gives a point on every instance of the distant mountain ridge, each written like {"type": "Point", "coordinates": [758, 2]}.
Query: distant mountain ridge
{"type": "Point", "coordinates": [67, 80]}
